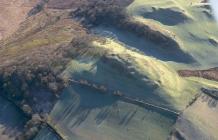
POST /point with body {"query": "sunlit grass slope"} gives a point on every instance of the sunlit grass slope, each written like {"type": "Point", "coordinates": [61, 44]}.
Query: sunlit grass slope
{"type": "Point", "coordinates": [195, 34]}
{"type": "Point", "coordinates": [134, 74]}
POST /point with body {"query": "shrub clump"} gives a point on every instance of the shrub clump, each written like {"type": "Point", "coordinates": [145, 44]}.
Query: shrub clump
{"type": "Point", "coordinates": [98, 12]}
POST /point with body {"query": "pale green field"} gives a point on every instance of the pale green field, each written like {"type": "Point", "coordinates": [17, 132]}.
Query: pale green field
{"type": "Point", "coordinates": [201, 118]}
{"type": "Point", "coordinates": [83, 113]}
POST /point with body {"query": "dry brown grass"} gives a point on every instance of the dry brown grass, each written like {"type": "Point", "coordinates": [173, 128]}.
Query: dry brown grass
{"type": "Point", "coordinates": [210, 74]}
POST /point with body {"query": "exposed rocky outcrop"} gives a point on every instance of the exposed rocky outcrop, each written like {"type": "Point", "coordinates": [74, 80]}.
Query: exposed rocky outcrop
{"type": "Point", "coordinates": [210, 74]}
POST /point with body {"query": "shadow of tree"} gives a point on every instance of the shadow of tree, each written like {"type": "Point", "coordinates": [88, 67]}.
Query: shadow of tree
{"type": "Point", "coordinates": [127, 118]}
